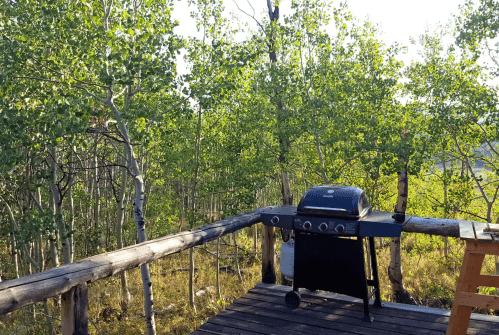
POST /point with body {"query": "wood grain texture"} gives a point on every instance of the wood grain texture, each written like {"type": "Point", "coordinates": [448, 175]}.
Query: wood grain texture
{"type": "Point", "coordinates": [466, 230]}
{"type": "Point", "coordinates": [334, 311]}
{"type": "Point", "coordinates": [27, 290]}
{"type": "Point", "coordinates": [487, 248]}
{"type": "Point", "coordinates": [352, 318]}
{"type": "Point", "coordinates": [263, 311]}
{"type": "Point", "coordinates": [488, 280]}
{"type": "Point", "coordinates": [67, 312]}
{"type": "Point", "coordinates": [432, 226]}
{"type": "Point", "coordinates": [469, 280]}
{"type": "Point", "coordinates": [263, 325]}
{"type": "Point", "coordinates": [268, 255]}
{"type": "Point", "coordinates": [216, 328]}
{"type": "Point", "coordinates": [481, 235]}
{"type": "Point", "coordinates": [425, 317]}
{"type": "Point", "coordinates": [438, 318]}
{"type": "Point", "coordinates": [247, 322]}
{"type": "Point", "coordinates": [81, 309]}
{"type": "Point", "coordinates": [478, 300]}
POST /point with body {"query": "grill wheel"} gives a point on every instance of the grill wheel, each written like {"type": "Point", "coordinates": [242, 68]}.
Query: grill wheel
{"type": "Point", "coordinates": [292, 299]}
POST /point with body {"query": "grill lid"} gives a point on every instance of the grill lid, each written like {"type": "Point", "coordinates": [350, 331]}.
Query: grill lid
{"type": "Point", "coordinates": [347, 202]}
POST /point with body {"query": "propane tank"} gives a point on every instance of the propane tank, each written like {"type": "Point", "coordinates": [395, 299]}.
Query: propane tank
{"type": "Point", "coordinates": [288, 259]}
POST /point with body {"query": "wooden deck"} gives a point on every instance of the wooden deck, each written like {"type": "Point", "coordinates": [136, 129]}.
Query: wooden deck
{"type": "Point", "coordinates": [262, 311]}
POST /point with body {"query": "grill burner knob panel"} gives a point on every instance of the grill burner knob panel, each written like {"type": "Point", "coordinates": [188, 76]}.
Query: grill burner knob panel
{"type": "Point", "coordinates": [307, 225]}
{"type": "Point", "coordinates": [275, 220]}
{"type": "Point", "coordinates": [322, 225]}
{"type": "Point", "coordinates": [340, 228]}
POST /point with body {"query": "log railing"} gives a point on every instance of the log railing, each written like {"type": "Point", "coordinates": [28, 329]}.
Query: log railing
{"type": "Point", "coordinates": [431, 226]}
{"type": "Point", "coordinates": [71, 280]}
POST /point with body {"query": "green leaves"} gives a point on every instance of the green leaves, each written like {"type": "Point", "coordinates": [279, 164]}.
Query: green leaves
{"type": "Point", "coordinates": [477, 30]}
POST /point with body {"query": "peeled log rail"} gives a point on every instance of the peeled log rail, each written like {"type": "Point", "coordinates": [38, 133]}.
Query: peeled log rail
{"type": "Point", "coordinates": [442, 227]}
{"type": "Point", "coordinates": [17, 293]}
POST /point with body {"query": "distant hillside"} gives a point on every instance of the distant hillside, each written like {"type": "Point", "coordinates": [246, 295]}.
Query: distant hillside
{"type": "Point", "coordinates": [483, 151]}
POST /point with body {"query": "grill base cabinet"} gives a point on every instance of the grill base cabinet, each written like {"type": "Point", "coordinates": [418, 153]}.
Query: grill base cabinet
{"type": "Point", "coordinates": [334, 264]}
{"type": "Point", "coordinates": [330, 225]}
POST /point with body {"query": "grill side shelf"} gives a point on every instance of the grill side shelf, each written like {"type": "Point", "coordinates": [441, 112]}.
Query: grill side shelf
{"type": "Point", "coordinates": [380, 224]}
{"type": "Point", "coordinates": [278, 216]}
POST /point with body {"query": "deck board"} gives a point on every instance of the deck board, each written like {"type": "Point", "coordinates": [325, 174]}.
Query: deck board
{"type": "Point", "coordinates": [218, 326]}
{"type": "Point", "coordinates": [262, 311]}
{"type": "Point", "coordinates": [351, 318]}
{"type": "Point", "coordinates": [392, 315]}
{"type": "Point", "coordinates": [263, 325]}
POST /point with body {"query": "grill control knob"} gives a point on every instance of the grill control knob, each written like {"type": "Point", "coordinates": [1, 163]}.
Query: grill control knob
{"type": "Point", "coordinates": [323, 226]}
{"type": "Point", "coordinates": [340, 228]}
{"type": "Point", "coordinates": [275, 220]}
{"type": "Point", "coordinates": [307, 225]}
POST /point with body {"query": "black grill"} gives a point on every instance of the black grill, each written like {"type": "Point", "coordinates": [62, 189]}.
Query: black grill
{"type": "Point", "coordinates": [330, 224]}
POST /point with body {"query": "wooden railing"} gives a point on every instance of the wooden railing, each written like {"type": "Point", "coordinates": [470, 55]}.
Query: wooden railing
{"type": "Point", "coordinates": [71, 280]}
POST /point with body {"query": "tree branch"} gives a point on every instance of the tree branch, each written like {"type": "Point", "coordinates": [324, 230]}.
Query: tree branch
{"type": "Point", "coordinates": [486, 140]}
{"type": "Point", "coordinates": [121, 93]}
{"type": "Point", "coordinates": [104, 133]}
{"type": "Point", "coordinates": [475, 215]}
{"type": "Point", "coordinates": [60, 82]}
{"type": "Point", "coordinates": [252, 16]}
{"type": "Point", "coordinates": [106, 166]}
{"type": "Point", "coordinates": [490, 53]}
{"type": "Point", "coordinates": [62, 74]}
{"type": "Point", "coordinates": [480, 187]}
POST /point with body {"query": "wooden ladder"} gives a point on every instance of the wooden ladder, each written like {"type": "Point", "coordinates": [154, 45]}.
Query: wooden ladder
{"type": "Point", "coordinates": [481, 239]}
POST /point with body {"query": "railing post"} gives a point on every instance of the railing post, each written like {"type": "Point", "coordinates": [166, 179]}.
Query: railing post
{"type": "Point", "coordinates": [67, 312]}
{"type": "Point", "coordinates": [74, 306]}
{"type": "Point", "coordinates": [268, 255]}
{"type": "Point", "coordinates": [81, 309]}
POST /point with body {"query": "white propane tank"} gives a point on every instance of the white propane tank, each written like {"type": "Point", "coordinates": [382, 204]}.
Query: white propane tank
{"type": "Point", "coordinates": [288, 259]}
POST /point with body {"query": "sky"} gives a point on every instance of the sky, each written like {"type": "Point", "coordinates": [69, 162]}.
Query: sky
{"type": "Point", "coordinates": [399, 19]}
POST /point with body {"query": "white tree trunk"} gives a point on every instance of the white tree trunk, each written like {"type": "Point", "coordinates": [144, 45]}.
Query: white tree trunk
{"type": "Point", "coordinates": [236, 257]}
{"type": "Point", "coordinates": [13, 249]}
{"type": "Point", "coordinates": [13, 242]}
{"type": "Point", "coordinates": [446, 192]}
{"type": "Point", "coordinates": [71, 208]}
{"type": "Point", "coordinates": [46, 310]}
{"type": "Point", "coordinates": [139, 217]}
{"type": "Point", "coordinates": [395, 267]}
{"type": "Point", "coordinates": [287, 197]}
{"type": "Point", "coordinates": [191, 279]}
{"type": "Point", "coordinates": [96, 188]}
{"type": "Point", "coordinates": [52, 158]}
{"type": "Point", "coordinates": [54, 253]}
{"type": "Point", "coordinates": [119, 223]}
{"type": "Point", "coordinates": [32, 261]}
{"type": "Point", "coordinates": [218, 269]}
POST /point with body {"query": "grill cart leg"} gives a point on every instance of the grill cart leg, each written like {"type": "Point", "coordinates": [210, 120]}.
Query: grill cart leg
{"type": "Point", "coordinates": [374, 263]}
{"type": "Point", "coordinates": [367, 316]}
